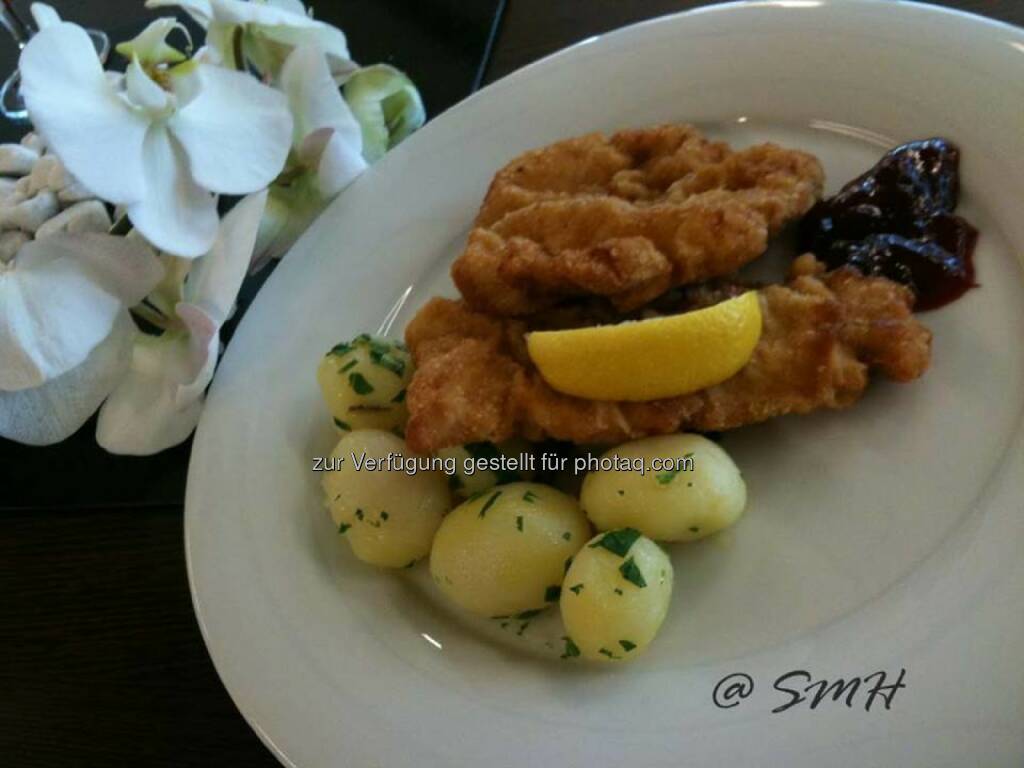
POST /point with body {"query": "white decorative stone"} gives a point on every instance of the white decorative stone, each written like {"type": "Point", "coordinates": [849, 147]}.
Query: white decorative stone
{"type": "Point", "coordinates": [10, 244]}
{"type": "Point", "coordinates": [8, 189]}
{"type": "Point", "coordinates": [29, 215]}
{"type": "Point", "coordinates": [16, 160]}
{"type": "Point", "coordinates": [34, 142]}
{"type": "Point", "coordinates": [90, 216]}
{"type": "Point", "coordinates": [47, 173]}
{"type": "Point", "coordinates": [73, 191]}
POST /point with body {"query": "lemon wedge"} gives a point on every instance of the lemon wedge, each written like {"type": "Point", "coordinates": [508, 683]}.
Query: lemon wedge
{"type": "Point", "coordinates": [650, 359]}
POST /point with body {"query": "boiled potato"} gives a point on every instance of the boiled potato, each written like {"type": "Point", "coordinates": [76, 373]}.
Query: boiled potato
{"type": "Point", "coordinates": [484, 461]}
{"type": "Point", "coordinates": [363, 383]}
{"type": "Point", "coordinates": [615, 596]}
{"type": "Point", "coordinates": [388, 517]}
{"type": "Point", "coordinates": [505, 551]}
{"type": "Point", "coordinates": [662, 503]}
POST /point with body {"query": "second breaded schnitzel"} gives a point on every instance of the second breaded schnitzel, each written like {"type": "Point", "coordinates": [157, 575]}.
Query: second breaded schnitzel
{"type": "Point", "coordinates": [823, 333]}
{"type": "Point", "coordinates": [627, 217]}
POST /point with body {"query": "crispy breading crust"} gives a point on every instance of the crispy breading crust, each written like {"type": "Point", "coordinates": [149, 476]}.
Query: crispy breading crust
{"type": "Point", "coordinates": [822, 334]}
{"type": "Point", "coordinates": [627, 217]}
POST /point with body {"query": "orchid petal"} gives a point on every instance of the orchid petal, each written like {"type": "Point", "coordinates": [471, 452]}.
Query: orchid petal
{"type": "Point", "coordinates": [73, 106]}
{"type": "Point", "coordinates": [150, 46]}
{"type": "Point", "coordinates": [261, 14]}
{"type": "Point", "coordinates": [60, 298]}
{"type": "Point", "coordinates": [200, 10]}
{"type": "Point", "coordinates": [330, 40]}
{"type": "Point", "coordinates": [54, 411]}
{"type": "Point", "coordinates": [386, 104]}
{"type": "Point", "coordinates": [44, 15]}
{"type": "Point", "coordinates": [217, 277]}
{"type": "Point", "coordinates": [176, 215]}
{"type": "Point", "coordinates": [143, 92]}
{"type": "Point", "coordinates": [340, 164]}
{"type": "Point", "coordinates": [289, 6]}
{"type": "Point", "coordinates": [314, 97]}
{"type": "Point", "coordinates": [236, 132]}
{"type": "Point", "coordinates": [220, 46]}
{"type": "Point", "coordinates": [143, 415]}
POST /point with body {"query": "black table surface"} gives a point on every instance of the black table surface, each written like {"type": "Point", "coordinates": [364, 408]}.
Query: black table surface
{"type": "Point", "coordinates": [101, 661]}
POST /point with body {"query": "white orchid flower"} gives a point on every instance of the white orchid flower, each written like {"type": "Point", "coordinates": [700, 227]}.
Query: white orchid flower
{"type": "Point", "coordinates": [327, 157]}
{"type": "Point", "coordinates": [157, 404]}
{"type": "Point", "coordinates": [264, 32]}
{"type": "Point", "coordinates": [61, 300]}
{"type": "Point", "coordinates": [158, 140]}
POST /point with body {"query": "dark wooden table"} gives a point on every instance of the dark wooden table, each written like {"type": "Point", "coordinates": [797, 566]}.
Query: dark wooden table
{"type": "Point", "coordinates": [101, 662]}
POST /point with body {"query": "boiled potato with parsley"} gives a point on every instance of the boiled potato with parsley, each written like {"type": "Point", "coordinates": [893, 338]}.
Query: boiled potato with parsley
{"type": "Point", "coordinates": [677, 502]}
{"type": "Point", "coordinates": [486, 461]}
{"type": "Point", "coordinates": [363, 383]}
{"type": "Point", "coordinates": [615, 596]}
{"type": "Point", "coordinates": [505, 551]}
{"type": "Point", "coordinates": [388, 517]}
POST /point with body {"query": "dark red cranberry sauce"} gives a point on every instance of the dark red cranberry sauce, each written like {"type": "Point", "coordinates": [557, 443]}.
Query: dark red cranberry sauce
{"type": "Point", "coordinates": [897, 221]}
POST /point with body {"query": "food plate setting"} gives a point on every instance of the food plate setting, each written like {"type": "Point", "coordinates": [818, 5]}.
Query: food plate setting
{"type": "Point", "coordinates": [658, 405]}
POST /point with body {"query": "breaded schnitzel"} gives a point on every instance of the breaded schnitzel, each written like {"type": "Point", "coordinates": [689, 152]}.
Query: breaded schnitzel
{"type": "Point", "coordinates": [822, 334]}
{"type": "Point", "coordinates": [627, 217]}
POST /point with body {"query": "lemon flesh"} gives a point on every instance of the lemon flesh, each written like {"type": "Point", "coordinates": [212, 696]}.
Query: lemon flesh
{"type": "Point", "coordinates": [650, 359]}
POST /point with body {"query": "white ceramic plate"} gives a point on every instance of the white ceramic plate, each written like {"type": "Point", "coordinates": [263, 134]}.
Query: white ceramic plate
{"type": "Point", "coordinates": [884, 538]}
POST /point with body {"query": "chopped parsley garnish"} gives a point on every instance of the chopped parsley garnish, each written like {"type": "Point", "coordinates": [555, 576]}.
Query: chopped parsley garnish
{"type": "Point", "coordinates": [618, 542]}
{"type": "Point", "coordinates": [621, 493]}
{"type": "Point", "coordinates": [348, 366]}
{"type": "Point", "coordinates": [383, 515]}
{"type": "Point", "coordinates": [341, 349]}
{"type": "Point", "coordinates": [571, 649]}
{"type": "Point", "coordinates": [386, 360]}
{"type": "Point", "coordinates": [342, 425]}
{"type": "Point", "coordinates": [567, 536]}
{"type": "Point", "coordinates": [476, 495]}
{"type": "Point", "coordinates": [359, 514]}
{"type": "Point", "coordinates": [576, 588]}
{"type": "Point", "coordinates": [359, 383]}
{"type": "Point", "coordinates": [411, 563]}
{"type": "Point", "coordinates": [366, 408]}
{"type": "Point", "coordinates": [343, 527]}
{"type": "Point", "coordinates": [551, 594]}
{"type": "Point", "coordinates": [399, 398]}
{"type": "Point", "coordinates": [618, 591]}
{"type": "Point", "coordinates": [664, 478]}
{"type": "Point", "coordinates": [631, 572]}
{"type": "Point", "coordinates": [529, 614]}
{"type": "Point", "coordinates": [485, 450]}
{"type": "Point", "coordinates": [489, 503]}
{"type": "Point", "coordinates": [519, 522]}
{"type": "Point", "coordinates": [627, 645]}
{"type": "Point", "coordinates": [568, 562]}
{"type": "Point", "coordinates": [694, 529]}
{"type": "Point", "coordinates": [609, 654]}
{"type": "Point", "coordinates": [529, 497]}
{"type": "Point", "coordinates": [522, 628]}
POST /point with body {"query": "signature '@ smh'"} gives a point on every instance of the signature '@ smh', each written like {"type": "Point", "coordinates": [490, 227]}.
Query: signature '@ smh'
{"type": "Point", "coordinates": [799, 688]}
